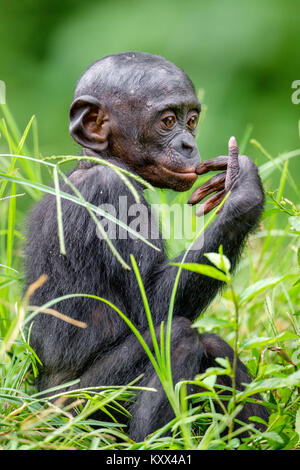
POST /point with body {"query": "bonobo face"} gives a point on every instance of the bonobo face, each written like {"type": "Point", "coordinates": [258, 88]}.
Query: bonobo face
{"type": "Point", "coordinates": [147, 119]}
{"type": "Point", "coordinates": [158, 138]}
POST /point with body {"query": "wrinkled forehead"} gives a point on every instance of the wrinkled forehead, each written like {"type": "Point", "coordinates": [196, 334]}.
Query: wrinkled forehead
{"type": "Point", "coordinates": [159, 84]}
{"type": "Point", "coordinates": [139, 79]}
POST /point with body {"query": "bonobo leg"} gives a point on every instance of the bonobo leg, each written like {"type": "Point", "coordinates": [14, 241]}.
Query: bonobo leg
{"type": "Point", "coordinates": [153, 410]}
{"type": "Point", "coordinates": [215, 347]}
{"type": "Point", "coordinates": [128, 360]}
{"type": "Point", "coordinates": [191, 354]}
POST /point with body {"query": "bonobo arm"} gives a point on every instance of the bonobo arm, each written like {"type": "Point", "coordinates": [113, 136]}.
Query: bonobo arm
{"type": "Point", "coordinates": [89, 267]}
{"type": "Point", "coordinates": [239, 215]}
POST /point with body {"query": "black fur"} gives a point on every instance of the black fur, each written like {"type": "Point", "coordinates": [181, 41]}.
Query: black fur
{"type": "Point", "coordinates": [106, 352]}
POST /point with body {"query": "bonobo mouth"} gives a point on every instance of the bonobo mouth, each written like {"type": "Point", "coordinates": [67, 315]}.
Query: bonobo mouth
{"type": "Point", "coordinates": [188, 174]}
{"type": "Point", "coordinates": [179, 180]}
{"type": "Point", "coordinates": [162, 176]}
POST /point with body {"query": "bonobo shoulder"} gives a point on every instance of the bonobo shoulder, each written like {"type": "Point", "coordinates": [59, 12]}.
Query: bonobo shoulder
{"type": "Point", "coordinates": [98, 182]}
{"type": "Point", "coordinates": [98, 174]}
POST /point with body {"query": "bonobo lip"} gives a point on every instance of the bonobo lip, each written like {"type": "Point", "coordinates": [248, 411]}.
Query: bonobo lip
{"type": "Point", "coordinates": [188, 173]}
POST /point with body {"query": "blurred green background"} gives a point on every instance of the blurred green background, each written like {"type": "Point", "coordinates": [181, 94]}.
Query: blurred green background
{"type": "Point", "coordinates": [244, 55]}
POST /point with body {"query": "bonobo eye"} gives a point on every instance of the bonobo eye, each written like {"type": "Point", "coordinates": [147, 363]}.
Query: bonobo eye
{"type": "Point", "coordinates": [168, 121]}
{"type": "Point", "coordinates": [192, 121]}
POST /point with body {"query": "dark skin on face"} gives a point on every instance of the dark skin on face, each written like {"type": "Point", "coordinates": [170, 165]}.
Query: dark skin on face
{"type": "Point", "coordinates": [162, 149]}
{"type": "Point", "coordinates": [165, 152]}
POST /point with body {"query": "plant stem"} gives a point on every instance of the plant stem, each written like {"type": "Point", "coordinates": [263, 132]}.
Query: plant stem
{"type": "Point", "coordinates": [235, 351]}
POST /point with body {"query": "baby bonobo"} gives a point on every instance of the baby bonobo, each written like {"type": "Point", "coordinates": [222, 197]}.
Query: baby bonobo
{"type": "Point", "coordinates": [139, 112]}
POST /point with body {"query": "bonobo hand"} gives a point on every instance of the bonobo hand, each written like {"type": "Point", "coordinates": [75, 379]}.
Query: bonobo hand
{"type": "Point", "coordinates": [241, 178]}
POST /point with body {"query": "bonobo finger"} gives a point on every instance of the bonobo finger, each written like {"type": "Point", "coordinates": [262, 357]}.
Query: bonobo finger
{"type": "Point", "coordinates": [215, 164]}
{"type": "Point", "coordinates": [216, 183]}
{"type": "Point", "coordinates": [211, 203]}
{"type": "Point", "coordinates": [233, 163]}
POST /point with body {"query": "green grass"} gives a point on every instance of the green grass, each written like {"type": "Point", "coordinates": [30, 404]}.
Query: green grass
{"type": "Point", "coordinates": [257, 313]}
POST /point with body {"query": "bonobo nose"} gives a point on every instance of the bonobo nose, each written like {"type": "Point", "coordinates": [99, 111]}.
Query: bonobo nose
{"type": "Point", "coordinates": [185, 145]}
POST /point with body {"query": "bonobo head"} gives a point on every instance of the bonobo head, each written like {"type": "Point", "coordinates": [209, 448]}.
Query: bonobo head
{"type": "Point", "coordinates": [141, 109]}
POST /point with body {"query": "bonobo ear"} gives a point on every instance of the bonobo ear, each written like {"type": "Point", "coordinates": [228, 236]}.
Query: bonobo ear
{"type": "Point", "coordinates": [89, 124]}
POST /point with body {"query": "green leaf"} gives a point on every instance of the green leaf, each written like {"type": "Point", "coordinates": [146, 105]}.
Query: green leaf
{"type": "Point", "coordinates": [256, 419]}
{"type": "Point", "coordinates": [220, 261]}
{"type": "Point", "coordinates": [264, 341]}
{"type": "Point", "coordinates": [270, 212]}
{"type": "Point", "coordinates": [273, 437]}
{"type": "Point", "coordinates": [210, 381]}
{"type": "Point", "coordinates": [297, 423]}
{"type": "Point", "coordinates": [59, 213]}
{"type": "Point", "coordinates": [210, 323]}
{"type": "Point", "coordinates": [204, 269]}
{"type": "Point", "coordinates": [270, 384]}
{"type": "Point", "coordinates": [267, 169]}
{"type": "Point", "coordinates": [295, 223]}
{"type": "Point", "coordinates": [260, 286]}
{"type": "Point", "coordinates": [24, 136]}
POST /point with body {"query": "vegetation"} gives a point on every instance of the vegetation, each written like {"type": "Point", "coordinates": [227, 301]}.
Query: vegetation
{"type": "Point", "coordinates": [257, 313]}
